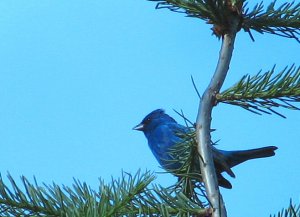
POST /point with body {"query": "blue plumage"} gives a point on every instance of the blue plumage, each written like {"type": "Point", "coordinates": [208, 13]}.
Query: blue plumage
{"type": "Point", "coordinates": [163, 133]}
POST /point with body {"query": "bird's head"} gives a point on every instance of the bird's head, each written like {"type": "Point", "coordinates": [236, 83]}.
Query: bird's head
{"type": "Point", "coordinates": [154, 119]}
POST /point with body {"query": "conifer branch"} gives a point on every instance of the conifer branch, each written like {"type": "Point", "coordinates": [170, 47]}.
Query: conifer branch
{"type": "Point", "coordinates": [189, 182]}
{"type": "Point", "coordinates": [291, 211]}
{"type": "Point", "coordinates": [127, 196]}
{"type": "Point", "coordinates": [205, 10]}
{"type": "Point", "coordinates": [215, 12]}
{"type": "Point", "coordinates": [262, 93]}
{"type": "Point", "coordinates": [283, 20]}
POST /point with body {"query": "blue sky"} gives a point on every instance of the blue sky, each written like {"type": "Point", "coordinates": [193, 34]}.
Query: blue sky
{"type": "Point", "coordinates": [76, 76]}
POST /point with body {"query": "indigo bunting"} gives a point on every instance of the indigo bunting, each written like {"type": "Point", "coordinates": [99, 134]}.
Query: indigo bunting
{"type": "Point", "coordinates": [163, 133]}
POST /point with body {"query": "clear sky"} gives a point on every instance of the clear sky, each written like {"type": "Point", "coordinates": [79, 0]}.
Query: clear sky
{"type": "Point", "coordinates": [76, 76]}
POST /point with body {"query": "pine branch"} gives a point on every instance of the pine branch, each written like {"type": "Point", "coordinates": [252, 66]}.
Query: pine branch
{"type": "Point", "coordinates": [214, 12]}
{"type": "Point", "coordinates": [189, 176]}
{"type": "Point", "coordinates": [291, 211]}
{"type": "Point", "coordinates": [180, 203]}
{"type": "Point", "coordinates": [283, 20]}
{"type": "Point", "coordinates": [262, 93]}
{"type": "Point", "coordinates": [127, 196]}
{"type": "Point", "coordinates": [205, 10]}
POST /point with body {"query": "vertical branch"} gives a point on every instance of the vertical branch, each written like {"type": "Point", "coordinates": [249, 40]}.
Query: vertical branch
{"type": "Point", "coordinates": [204, 121]}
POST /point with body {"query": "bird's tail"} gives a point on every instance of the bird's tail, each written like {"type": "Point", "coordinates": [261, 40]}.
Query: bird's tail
{"type": "Point", "coordinates": [237, 157]}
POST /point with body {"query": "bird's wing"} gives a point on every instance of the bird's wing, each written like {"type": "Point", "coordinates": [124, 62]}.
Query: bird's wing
{"type": "Point", "coordinates": [179, 131]}
{"type": "Point", "coordinates": [175, 127]}
{"type": "Point", "coordinates": [169, 134]}
{"type": "Point", "coordinates": [161, 141]}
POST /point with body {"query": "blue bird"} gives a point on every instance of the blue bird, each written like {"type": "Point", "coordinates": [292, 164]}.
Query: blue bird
{"type": "Point", "coordinates": [164, 133]}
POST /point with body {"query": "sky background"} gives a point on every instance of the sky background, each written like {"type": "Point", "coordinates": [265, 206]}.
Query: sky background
{"type": "Point", "coordinates": [76, 76]}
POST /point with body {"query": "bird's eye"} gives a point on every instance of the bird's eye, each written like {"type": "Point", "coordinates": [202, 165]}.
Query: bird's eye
{"type": "Point", "coordinates": [147, 120]}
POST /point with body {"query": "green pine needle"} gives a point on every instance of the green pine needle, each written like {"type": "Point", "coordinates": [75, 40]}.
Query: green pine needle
{"type": "Point", "coordinates": [128, 196]}
{"type": "Point", "coordinates": [283, 20]}
{"type": "Point", "coordinates": [291, 211]}
{"type": "Point", "coordinates": [262, 93]}
{"type": "Point", "coordinates": [215, 12]}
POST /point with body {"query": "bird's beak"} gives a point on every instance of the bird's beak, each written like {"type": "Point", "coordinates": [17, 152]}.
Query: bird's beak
{"type": "Point", "coordinates": [139, 127]}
